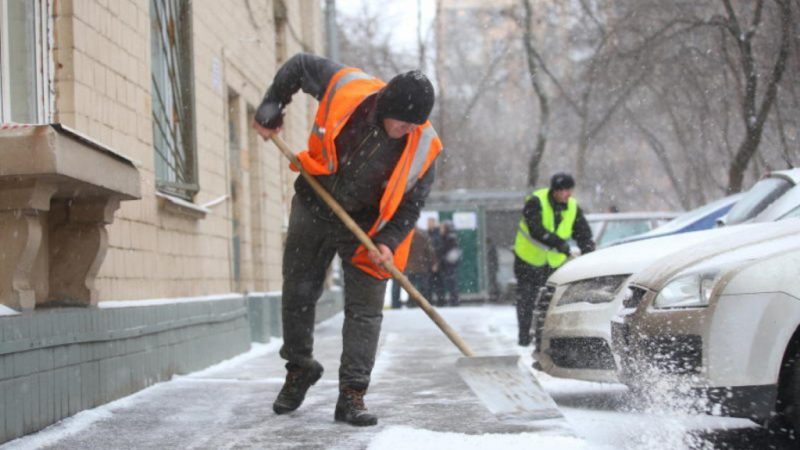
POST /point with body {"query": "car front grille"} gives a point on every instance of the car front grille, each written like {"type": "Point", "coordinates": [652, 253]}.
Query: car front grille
{"type": "Point", "coordinates": [581, 353]}
{"type": "Point", "coordinates": [540, 313]}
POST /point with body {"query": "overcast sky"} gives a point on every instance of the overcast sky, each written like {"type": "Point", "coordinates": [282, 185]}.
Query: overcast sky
{"type": "Point", "coordinates": [399, 16]}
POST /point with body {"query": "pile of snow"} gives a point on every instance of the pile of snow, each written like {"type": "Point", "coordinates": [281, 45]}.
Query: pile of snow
{"type": "Point", "coordinates": [400, 438]}
{"type": "Point", "coordinates": [166, 301]}
{"type": "Point", "coordinates": [6, 311]}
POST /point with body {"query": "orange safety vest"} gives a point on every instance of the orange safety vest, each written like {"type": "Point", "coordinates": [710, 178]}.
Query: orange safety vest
{"type": "Point", "coordinates": [346, 90]}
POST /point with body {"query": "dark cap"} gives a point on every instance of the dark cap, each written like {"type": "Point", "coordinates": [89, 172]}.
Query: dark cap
{"type": "Point", "coordinates": [561, 181]}
{"type": "Point", "coordinates": [408, 97]}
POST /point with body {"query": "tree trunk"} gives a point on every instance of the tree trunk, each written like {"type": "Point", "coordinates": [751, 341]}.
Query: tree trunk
{"type": "Point", "coordinates": [755, 117]}
{"type": "Point", "coordinates": [544, 108]}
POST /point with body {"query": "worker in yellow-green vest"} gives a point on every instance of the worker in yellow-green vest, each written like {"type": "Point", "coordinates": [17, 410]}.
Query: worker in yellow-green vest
{"type": "Point", "coordinates": [550, 218]}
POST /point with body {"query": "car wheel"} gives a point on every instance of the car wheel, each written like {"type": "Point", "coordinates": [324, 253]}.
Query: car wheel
{"type": "Point", "coordinates": [789, 393]}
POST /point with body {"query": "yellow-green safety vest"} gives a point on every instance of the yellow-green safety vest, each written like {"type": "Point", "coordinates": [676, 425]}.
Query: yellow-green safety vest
{"type": "Point", "coordinates": [538, 253]}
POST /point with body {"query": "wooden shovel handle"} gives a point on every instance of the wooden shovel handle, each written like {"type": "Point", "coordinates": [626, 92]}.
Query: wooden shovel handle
{"type": "Point", "coordinates": [364, 239]}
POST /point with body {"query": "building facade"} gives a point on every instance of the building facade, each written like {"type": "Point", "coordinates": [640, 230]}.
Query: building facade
{"type": "Point", "coordinates": [141, 218]}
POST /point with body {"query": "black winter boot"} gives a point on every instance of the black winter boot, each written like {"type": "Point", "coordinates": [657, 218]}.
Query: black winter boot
{"type": "Point", "coordinates": [295, 387]}
{"type": "Point", "coordinates": [350, 408]}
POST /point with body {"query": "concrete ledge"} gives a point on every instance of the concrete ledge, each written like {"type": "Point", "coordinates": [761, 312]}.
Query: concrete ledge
{"type": "Point", "coordinates": [57, 362]}
{"type": "Point", "coordinates": [265, 316]}
{"type": "Point", "coordinates": [265, 312]}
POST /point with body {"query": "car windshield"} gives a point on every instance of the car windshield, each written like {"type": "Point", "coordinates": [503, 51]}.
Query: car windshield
{"type": "Point", "coordinates": [622, 229]}
{"type": "Point", "coordinates": [596, 227]}
{"type": "Point", "coordinates": [695, 214]}
{"type": "Point", "coordinates": [793, 214]}
{"type": "Point", "coordinates": [757, 199]}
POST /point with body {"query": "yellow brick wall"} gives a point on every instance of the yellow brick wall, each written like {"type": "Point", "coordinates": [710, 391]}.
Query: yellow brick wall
{"type": "Point", "coordinates": [103, 89]}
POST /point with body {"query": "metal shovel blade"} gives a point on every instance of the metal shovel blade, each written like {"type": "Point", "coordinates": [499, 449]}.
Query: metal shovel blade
{"type": "Point", "coordinates": [507, 388]}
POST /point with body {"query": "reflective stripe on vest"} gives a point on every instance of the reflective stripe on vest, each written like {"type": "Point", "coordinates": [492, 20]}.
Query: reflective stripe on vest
{"type": "Point", "coordinates": [537, 253]}
{"type": "Point", "coordinates": [421, 156]}
{"type": "Point", "coordinates": [346, 90]}
{"type": "Point", "coordinates": [342, 81]}
{"type": "Point", "coordinates": [422, 148]}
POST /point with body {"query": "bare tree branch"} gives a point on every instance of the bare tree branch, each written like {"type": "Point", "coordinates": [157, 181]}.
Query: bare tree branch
{"type": "Point", "coordinates": [544, 108]}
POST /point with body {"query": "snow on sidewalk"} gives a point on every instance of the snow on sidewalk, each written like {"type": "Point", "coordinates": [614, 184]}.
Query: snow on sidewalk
{"type": "Point", "coordinates": [416, 393]}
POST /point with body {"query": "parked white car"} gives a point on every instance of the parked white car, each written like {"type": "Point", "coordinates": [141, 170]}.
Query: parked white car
{"type": "Point", "coordinates": [723, 323]}
{"type": "Point", "coordinates": [575, 339]}
{"type": "Point", "coordinates": [584, 294]}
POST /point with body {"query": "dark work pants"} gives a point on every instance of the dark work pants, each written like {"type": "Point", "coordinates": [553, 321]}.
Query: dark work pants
{"type": "Point", "coordinates": [310, 246]}
{"type": "Point", "coordinates": [421, 281]}
{"type": "Point", "coordinates": [447, 287]}
{"type": "Point", "coordinates": [396, 303]}
{"type": "Point", "coordinates": [529, 280]}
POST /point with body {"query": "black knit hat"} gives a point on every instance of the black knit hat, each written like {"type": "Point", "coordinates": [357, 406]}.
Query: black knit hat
{"type": "Point", "coordinates": [408, 97]}
{"type": "Point", "coordinates": [562, 180]}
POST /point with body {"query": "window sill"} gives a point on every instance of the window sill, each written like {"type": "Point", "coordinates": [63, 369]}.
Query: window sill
{"type": "Point", "coordinates": [181, 207]}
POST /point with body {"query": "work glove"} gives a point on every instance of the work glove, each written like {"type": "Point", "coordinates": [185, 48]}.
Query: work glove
{"type": "Point", "coordinates": [563, 247]}
{"type": "Point", "coordinates": [269, 115]}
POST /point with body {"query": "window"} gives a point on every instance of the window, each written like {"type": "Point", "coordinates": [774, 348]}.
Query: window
{"type": "Point", "coordinates": [793, 214]}
{"type": "Point", "coordinates": [281, 18]}
{"type": "Point", "coordinates": [173, 97]}
{"type": "Point", "coordinates": [235, 148]}
{"type": "Point", "coordinates": [621, 229]}
{"type": "Point", "coordinates": [24, 91]}
{"type": "Point", "coordinates": [761, 195]}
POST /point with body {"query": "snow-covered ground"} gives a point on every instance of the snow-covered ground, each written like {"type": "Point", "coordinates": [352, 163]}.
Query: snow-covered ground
{"type": "Point", "coordinates": [419, 398]}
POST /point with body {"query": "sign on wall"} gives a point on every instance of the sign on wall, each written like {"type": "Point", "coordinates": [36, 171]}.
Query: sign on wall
{"type": "Point", "coordinates": [465, 221]}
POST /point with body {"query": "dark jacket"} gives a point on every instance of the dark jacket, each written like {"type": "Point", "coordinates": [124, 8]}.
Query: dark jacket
{"type": "Point", "coordinates": [367, 156]}
{"type": "Point", "coordinates": [448, 254]}
{"type": "Point", "coordinates": [421, 256]}
{"type": "Point", "coordinates": [581, 232]}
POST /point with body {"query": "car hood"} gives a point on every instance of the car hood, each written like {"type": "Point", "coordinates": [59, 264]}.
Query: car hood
{"type": "Point", "coordinates": [761, 237]}
{"type": "Point", "coordinates": [632, 257]}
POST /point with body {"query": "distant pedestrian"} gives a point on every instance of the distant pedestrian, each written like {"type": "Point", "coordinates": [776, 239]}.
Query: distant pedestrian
{"type": "Point", "coordinates": [550, 218]}
{"type": "Point", "coordinates": [492, 267]}
{"type": "Point", "coordinates": [435, 236]}
{"type": "Point", "coordinates": [421, 259]}
{"type": "Point", "coordinates": [448, 256]}
{"type": "Point", "coordinates": [397, 303]}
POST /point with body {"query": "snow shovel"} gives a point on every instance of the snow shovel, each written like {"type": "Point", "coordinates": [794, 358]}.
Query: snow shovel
{"type": "Point", "coordinates": [507, 388]}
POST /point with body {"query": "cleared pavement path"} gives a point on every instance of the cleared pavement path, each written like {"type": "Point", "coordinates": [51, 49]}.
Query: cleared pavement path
{"type": "Point", "coordinates": [230, 406]}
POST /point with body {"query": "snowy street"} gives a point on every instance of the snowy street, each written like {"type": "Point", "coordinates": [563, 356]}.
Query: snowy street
{"type": "Point", "coordinates": [420, 400]}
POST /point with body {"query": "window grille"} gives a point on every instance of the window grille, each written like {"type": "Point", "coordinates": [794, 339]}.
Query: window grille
{"type": "Point", "coordinates": [174, 138]}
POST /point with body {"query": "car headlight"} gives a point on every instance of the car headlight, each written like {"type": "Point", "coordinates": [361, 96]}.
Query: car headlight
{"type": "Point", "coordinates": [687, 291]}
{"type": "Point", "coordinates": [593, 290]}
